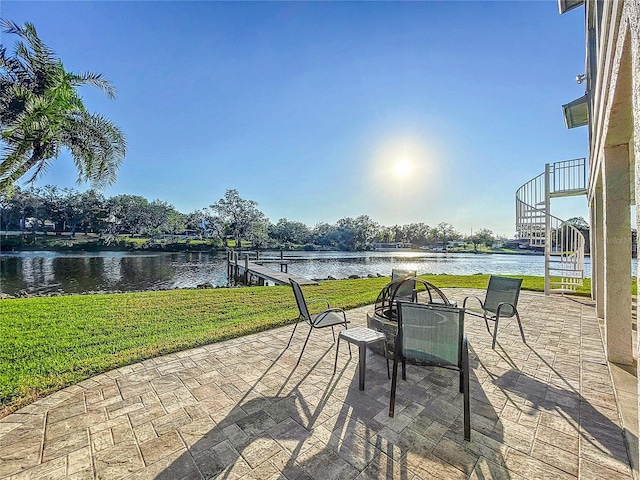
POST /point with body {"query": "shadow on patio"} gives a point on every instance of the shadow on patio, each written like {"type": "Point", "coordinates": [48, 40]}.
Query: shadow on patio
{"type": "Point", "coordinates": [241, 409]}
{"type": "Point", "coordinates": [321, 426]}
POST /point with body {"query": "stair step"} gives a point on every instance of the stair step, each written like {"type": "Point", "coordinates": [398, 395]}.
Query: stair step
{"type": "Point", "coordinates": [562, 290]}
{"type": "Point", "coordinates": [567, 284]}
{"type": "Point", "coordinates": [566, 271]}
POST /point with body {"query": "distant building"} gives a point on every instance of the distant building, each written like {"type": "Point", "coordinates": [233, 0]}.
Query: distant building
{"type": "Point", "coordinates": [514, 244]}
{"type": "Point", "coordinates": [390, 246]}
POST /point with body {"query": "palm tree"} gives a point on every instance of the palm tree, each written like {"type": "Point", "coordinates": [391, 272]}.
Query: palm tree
{"type": "Point", "coordinates": [41, 113]}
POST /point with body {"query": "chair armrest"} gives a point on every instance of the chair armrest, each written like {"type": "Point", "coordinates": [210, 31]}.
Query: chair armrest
{"type": "Point", "coordinates": [470, 312]}
{"type": "Point", "coordinates": [500, 305]}
{"type": "Point", "coordinates": [318, 300]}
{"type": "Point", "coordinates": [324, 313]}
{"type": "Point", "coordinates": [464, 302]}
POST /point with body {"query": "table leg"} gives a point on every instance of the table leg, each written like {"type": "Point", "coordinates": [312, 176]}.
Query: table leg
{"type": "Point", "coordinates": [362, 364]}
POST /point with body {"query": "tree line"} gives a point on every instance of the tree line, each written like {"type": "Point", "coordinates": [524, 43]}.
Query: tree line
{"type": "Point", "coordinates": [66, 210]}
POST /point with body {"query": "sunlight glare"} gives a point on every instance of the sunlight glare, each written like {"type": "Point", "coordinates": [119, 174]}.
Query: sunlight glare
{"type": "Point", "coordinates": [402, 168]}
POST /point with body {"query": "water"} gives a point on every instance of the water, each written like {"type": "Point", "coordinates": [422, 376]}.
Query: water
{"type": "Point", "coordinates": [46, 272]}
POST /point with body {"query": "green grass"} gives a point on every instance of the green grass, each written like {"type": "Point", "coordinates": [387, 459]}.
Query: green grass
{"type": "Point", "coordinates": [135, 242]}
{"type": "Point", "coordinates": [48, 343]}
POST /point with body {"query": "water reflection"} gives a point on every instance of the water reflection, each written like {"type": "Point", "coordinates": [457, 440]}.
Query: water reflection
{"type": "Point", "coordinates": [43, 272]}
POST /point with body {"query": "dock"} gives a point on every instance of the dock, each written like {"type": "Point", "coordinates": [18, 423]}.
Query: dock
{"type": "Point", "coordinates": [250, 270]}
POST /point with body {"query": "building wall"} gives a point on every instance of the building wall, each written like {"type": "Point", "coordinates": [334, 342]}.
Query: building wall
{"type": "Point", "coordinates": [613, 88]}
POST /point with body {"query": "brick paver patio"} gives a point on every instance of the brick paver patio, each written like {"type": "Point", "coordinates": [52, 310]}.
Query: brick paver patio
{"type": "Point", "coordinates": [241, 409]}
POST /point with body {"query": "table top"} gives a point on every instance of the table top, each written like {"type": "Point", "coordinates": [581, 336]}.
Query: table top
{"type": "Point", "coordinates": [361, 335]}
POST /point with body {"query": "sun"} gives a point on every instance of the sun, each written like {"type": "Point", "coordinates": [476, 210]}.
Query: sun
{"type": "Point", "coordinates": [402, 168]}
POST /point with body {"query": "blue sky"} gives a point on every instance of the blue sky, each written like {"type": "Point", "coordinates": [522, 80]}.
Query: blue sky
{"type": "Point", "coordinates": [308, 108]}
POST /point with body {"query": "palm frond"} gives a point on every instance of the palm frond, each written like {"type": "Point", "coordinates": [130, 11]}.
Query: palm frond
{"type": "Point", "coordinates": [41, 111]}
{"type": "Point", "coordinates": [95, 79]}
{"type": "Point", "coordinates": [28, 33]}
{"type": "Point", "coordinates": [97, 146]}
{"type": "Point", "coordinates": [16, 162]}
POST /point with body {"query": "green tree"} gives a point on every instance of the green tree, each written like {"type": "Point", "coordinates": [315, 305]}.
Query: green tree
{"type": "Point", "coordinates": [287, 231]}
{"type": "Point", "coordinates": [96, 212]}
{"type": "Point", "coordinates": [174, 221]}
{"type": "Point", "coordinates": [365, 231]}
{"type": "Point", "coordinates": [445, 232]}
{"type": "Point", "coordinates": [579, 222]}
{"type": "Point", "coordinates": [241, 217]}
{"type": "Point", "coordinates": [323, 233]}
{"type": "Point", "coordinates": [481, 237]}
{"type": "Point", "coordinates": [417, 233]}
{"type": "Point", "coordinates": [207, 224]}
{"type": "Point", "coordinates": [128, 213]}
{"type": "Point", "coordinates": [41, 112]}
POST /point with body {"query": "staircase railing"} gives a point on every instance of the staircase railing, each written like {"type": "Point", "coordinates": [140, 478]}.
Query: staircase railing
{"type": "Point", "coordinates": [563, 243]}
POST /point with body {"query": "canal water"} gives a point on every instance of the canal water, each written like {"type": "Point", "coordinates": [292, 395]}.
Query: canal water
{"type": "Point", "coordinates": [47, 272]}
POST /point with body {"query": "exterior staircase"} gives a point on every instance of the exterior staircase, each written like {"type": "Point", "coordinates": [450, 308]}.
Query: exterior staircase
{"type": "Point", "coordinates": [563, 243]}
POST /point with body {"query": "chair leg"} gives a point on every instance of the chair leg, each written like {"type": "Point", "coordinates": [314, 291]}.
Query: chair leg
{"type": "Point", "coordinates": [404, 369]}
{"type": "Point", "coordinates": [486, 322]}
{"type": "Point", "coordinates": [348, 343]}
{"type": "Point", "coordinates": [388, 373]}
{"type": "Point", "coordinates": [335, 364]}
{"type": "Point", "coordinates": [465, 391]}
{"type": "Point", "coordinates": [333, 333]}
{"type": "Point", "coordinates": [495, 332]}
{"type": "Point", "coordinates": [303, 347]}
{"type": "Point", "coordinates": [294, 331]}
{"type": "Point", "coordinates": [520, 326]}
{"type": "Point", "coordinates": [394, 377]}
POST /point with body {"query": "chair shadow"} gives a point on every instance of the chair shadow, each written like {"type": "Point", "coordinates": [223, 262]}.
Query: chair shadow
{"type": "Point", "coordinates": [602, 438]}
{"type": "Point", "coordinates": [318, 425]}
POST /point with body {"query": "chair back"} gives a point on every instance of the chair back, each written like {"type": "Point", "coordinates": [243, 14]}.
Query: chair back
{"type": "Point", "coordinates": [502, 290]}
{"type": "Point", "coordinates": [405, 289]}
{"type": "Point", "coordinates": [302, 305]}
{"type": "Point", "coordinates": [430, 334]}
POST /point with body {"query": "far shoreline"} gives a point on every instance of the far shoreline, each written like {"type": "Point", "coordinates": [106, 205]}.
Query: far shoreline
{"type": "Point", "coordinates": [90, 243]}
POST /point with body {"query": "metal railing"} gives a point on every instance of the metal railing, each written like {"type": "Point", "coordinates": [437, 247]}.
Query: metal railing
{"type": "Point", "coordinates": [563, 243]}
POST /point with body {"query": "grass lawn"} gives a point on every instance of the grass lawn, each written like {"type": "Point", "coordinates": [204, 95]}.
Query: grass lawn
{"type": "Point", "coordinates": [48, 343]}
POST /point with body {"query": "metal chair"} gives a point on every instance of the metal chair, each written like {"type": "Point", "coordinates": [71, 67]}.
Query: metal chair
{"type": "Point", "coordinates": [406, 290]}
{"type": "Point", "coordinates": [327, 318]}
{"type": "Point", "coordinates": [432, 335]}
{"type": "Point", "coordinates": [500, 301]}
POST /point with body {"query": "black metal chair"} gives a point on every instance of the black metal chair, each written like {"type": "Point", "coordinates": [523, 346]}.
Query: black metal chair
{"type": "Point", "coordinates": [432, 335]}
{"type": "Point", "coordinates": [500, 301]}
{"type": "Point", "coordinates": [327, 318]}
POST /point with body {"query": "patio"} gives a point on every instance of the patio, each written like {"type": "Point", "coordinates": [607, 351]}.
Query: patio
{"type": "Point", "coordinates": [241, 409]}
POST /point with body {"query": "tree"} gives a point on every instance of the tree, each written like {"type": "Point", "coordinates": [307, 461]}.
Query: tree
{"type": "Point", "coordinates": [172, 221]}
{"type": "Point", "coordinates": [481, 237]}
{"type": "Point", "coordinates": [446, 232]}
{"type": "Point", "coordinates": [416, 233]}
{"type": "Point", "coordinates": [323, 233]}
{"type": "Point", "coordinates": [14, 209]}
{"type": "Point", "coordinates": [384, 235]}
{"type": "Point", "coordinates": [578, 222]}
{"type": "Point", "coordinates": [96, 212]}
{"type": "Point", "coordinates": [241, 217]}
{"type": "Point", "coordinates": [127, 214]}
{"type": "Point", "coordinates": [41, 113]}
{"type": "Point", "coordinates": [54, 203]}
{"type": "Point", "coordinates": [286, 231]}
{"type": "Point", "coordinates": [209, 225]}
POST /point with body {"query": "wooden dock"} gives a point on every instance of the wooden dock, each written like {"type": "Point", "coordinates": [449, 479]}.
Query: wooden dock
{"type": "Point", "coordinates": [253, 272]}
